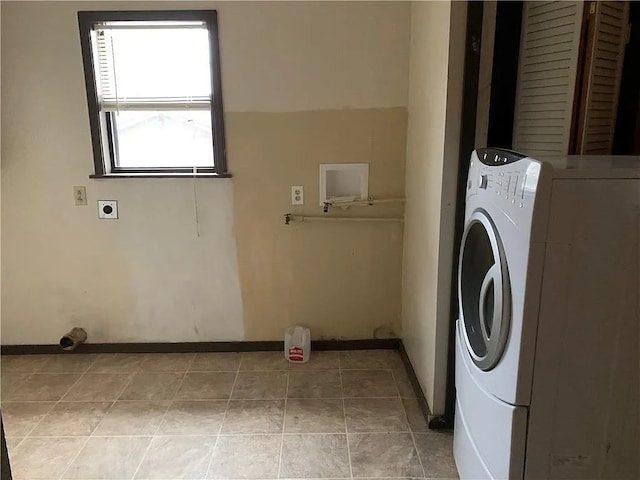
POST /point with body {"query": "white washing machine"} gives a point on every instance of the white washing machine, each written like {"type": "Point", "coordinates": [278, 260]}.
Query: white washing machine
{"type": "Point", "coordinates": [547, 363]}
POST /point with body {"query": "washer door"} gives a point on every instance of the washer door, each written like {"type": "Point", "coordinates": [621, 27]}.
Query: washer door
{"type": "Point", "coordinates": [484, 293]}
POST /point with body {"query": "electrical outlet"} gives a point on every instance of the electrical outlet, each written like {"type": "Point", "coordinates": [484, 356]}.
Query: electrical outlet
{"type": "Point", "coordinates": [297, 195]}
{"type": "Point", "coordinates": [80, 195]}
{"type": "Point", "coordinates": [108, 209]}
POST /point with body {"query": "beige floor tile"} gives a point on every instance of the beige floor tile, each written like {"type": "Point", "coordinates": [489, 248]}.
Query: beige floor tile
{"type": "Point", "coordinates": [318, 361]}
{"type": "Point", "coordinates": [68, 363]}
{"type": "Point", "coordinates": [417, 421]}
{"type": "Point", "coordinates": [246, 456]}
{"type": "Point", "coordinates": [368, 383]}
{"type": "Point", "coordinates": [118, 363]}
{"type": "Point", "coordinates": [384, 455]}
{"type": "Point", "coordinates": [405, 388]}
{"type": "Point", "coordinates": [12, 443]}
{"type": "Point", "coordinates": [72, 419]}
{"type": "Point", "coordinates": [314, 415]}
{"type": "Point", "coordinates": [370, 359]}
{"type": "Point", "coordinates": [44, 458]}
{"type": "Point", "coordinates": [9, 382]}
{"type": "Point", "coordinates": [216, 362]}
{"type": "Point", "coordinates": [19, 418]}
{"type": "Point", "coordinates": [114, 458]}
{"type": "Point", "coordinates": [22, 363]}
{"type": "Point", "coordinates": [436, 452]}
{"type": "Point", "coordinates": [315, 456]}
{"type": "Point", "coordinates": [260, 385]}
{"type": "Point", "coordinates": [152, 386]}
{"type": "Point", "coordinates": [133, 418]}
{"type": "Point", "coordinates": [316, 384]}
{"type": "Point", "coordinates": [174, 458]}
{"type": "Point", "coordinates": [380, 408]}
{"type": "Point", "coordinates": [264, 361]}
{"type": "Point", "coordinates": [394, 360]}
{"type": "Point", "coordinates": [362, 359]}
{"type": "Point", "coordinates": [375, 415]}
{"type": "Point", "coordinates": [98, 387]}
{"type": "Point", "coordinates": [167, 362]}
{"type": "Point", "coordinates": [206, 386]}
{"type": "Point", "coordinates": [194, 417]}
{"type": "Point", "coordinates": [44, 387]}
{"type": "Point", "coordinates": [254, 416]}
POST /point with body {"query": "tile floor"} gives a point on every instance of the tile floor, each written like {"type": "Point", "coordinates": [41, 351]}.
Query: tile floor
{"type": "Point", "coordinates": [217, 416]}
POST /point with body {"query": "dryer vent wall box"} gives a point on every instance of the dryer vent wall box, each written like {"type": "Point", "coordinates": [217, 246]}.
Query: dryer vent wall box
{"type": "Point", "coordinates": [344, 182]}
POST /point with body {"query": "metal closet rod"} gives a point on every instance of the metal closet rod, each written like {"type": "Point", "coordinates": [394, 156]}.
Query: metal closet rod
{"type": "Point", "coordinates": [288, 218]}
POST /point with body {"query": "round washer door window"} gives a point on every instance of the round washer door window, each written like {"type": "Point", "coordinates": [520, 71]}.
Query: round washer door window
{"type": "Point", "coordinates": [484, 293]}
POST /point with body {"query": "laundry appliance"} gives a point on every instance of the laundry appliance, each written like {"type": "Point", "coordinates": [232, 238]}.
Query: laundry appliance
{"type": "Point", "coordinates": [547, 365]}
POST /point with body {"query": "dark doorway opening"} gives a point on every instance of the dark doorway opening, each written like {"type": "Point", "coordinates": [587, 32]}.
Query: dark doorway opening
{"type": "Point", "coordinates": [504, 76]}
{"type": "Point", "coordinates": [626, 140]}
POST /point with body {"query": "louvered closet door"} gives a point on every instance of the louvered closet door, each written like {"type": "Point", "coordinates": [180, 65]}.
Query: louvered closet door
{"type": "Point", "coordinates": [549, 49]}
{"type": "Point", "coordinates": [604, 70]}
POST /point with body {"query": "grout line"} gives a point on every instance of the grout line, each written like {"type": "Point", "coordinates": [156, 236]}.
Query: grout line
{"type": "Point", "coordinates": [17, 444]}
{"type": "Point", "coordinates": [60, 400]}
{"type": "Point", "coordinates": [184, 376]}
{"type": "Point", "coordinates": [54, 402]}
{"type": "Point", "coordinates": [284, 419]}
{"type": "Point", "coordinates": [413, 437]}
{"type": "Point", "coordinates": [143, 357]}
{"type": "Point", "coordinates": [346, 430]}
{"type": "Point", "coordinates": [3, 402]}
{"type": "Point", "coordinates": [206, 399]}
{"type": "Point", "coordinates": [291, 434]}
{"type": "Point", "coordinates": [91, 435]}
{"type": "Point", "coordinates": [20, 383]}
{"type": "Point", "coordinates": [224, 417]}
{"type": "Point", "coordinates": [82, 374]}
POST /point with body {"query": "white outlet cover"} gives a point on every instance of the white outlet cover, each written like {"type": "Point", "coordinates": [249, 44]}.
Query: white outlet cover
{"type": "Point", "coordinates": [108, 209]}
{"type": "Point", "coordinates": [297, 195]}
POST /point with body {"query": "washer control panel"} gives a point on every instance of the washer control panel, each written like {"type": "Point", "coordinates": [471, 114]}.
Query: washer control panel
{"type": "Point", "coordinates": [504, 178]}
{"type": "Point", "coordinates": [506, 185]}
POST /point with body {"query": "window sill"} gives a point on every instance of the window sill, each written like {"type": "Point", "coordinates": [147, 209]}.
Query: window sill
{"type": "Point", "coordinates": [160, 175]}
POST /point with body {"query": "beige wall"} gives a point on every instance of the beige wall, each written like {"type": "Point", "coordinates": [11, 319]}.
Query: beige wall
{"type": "Point", "coordinates": [340, 279]}
{"type": "Point", "coordinates": [305, 56]}
{"type": "Point", "coordinates": [303, 83]}
{"type": "Point", "coordinates": [435, 88]}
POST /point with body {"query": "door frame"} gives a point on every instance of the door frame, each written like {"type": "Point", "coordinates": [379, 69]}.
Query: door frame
{"type": "Point", "coordinates": [466, 146]}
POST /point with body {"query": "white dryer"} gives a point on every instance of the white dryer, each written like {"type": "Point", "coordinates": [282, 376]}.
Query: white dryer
{"type": "Point", "coordinates": [549, 255]}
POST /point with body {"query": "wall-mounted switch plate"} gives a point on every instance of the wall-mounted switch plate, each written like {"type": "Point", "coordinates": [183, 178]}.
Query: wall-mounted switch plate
{"type": "Point", "coordinates": [297, 195]}
{"type": "Point", "coordinates": [80, 195]}
{"type": "Point", "coordinates": [108, 209]}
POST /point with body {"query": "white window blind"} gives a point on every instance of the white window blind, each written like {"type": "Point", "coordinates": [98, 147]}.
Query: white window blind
{"type": "Point", "coordinates": [150, 66]}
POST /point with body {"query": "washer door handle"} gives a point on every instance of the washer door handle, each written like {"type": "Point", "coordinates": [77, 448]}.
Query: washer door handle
{"type": "Point", "coordinates": [489, 279]}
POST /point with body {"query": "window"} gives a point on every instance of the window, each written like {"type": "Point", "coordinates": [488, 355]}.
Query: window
{"type": "Point", "coordinates": [154, 92]}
